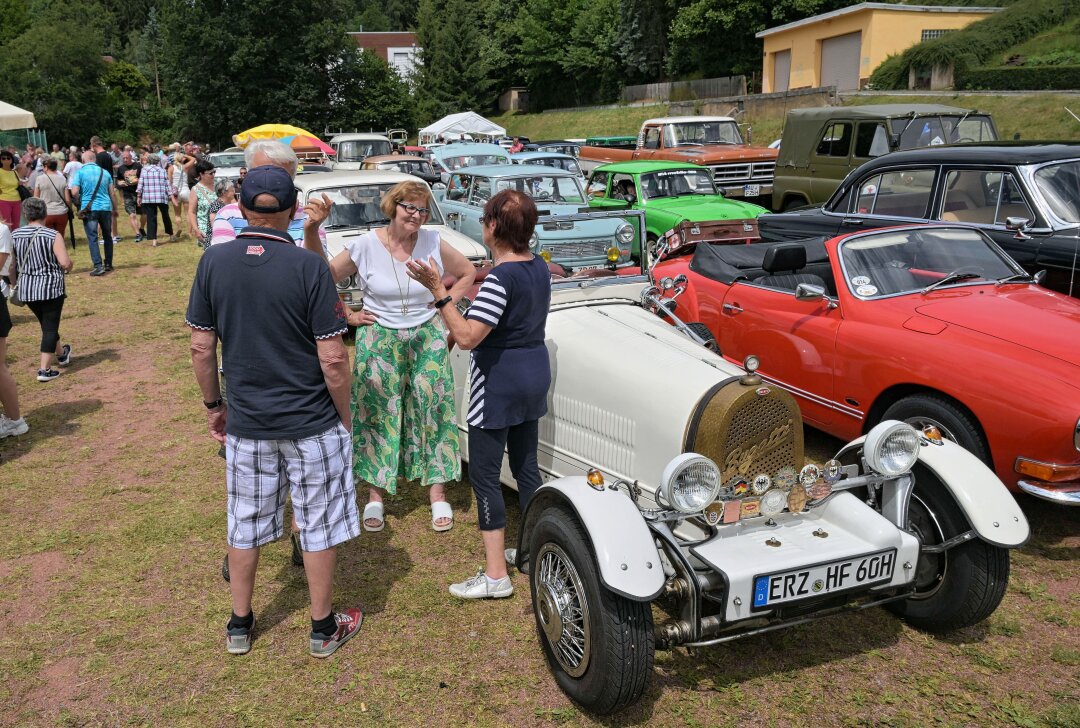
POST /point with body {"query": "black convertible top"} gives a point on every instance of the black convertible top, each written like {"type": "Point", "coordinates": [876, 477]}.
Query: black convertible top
{"type": "Point", "coordinates": [729, 263]}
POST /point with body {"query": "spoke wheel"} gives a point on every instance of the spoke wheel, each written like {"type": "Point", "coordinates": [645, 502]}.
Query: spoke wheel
{"type": "Point", "coordinates": [598, 644]}
{"type": "Point", "coordinates": [562, 611]}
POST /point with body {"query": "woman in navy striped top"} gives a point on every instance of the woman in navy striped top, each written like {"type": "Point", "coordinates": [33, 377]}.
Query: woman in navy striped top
{"type": "Point", "coordinates": [41, 260]}
{"type": "Point", "coordinates": [509, 373]}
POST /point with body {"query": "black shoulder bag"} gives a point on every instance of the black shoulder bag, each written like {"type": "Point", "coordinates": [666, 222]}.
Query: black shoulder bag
{"type": "Point", "coordinates": [85, 212]}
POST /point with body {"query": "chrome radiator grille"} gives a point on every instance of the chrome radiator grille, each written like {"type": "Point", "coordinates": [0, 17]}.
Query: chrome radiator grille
{"type": "Point", "coordinates": [578, 248]}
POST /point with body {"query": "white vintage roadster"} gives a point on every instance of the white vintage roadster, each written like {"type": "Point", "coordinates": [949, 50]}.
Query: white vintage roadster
{"type": "Point", "coordinates": [676, 479]}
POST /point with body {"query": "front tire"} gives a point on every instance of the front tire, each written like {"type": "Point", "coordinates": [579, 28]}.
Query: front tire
{"type": "Point", "coordinates": [598, 645]}
{"type": "Point", "coordinates": [955, 423]}
{"type": "Point", "coordinates": [959, 587]}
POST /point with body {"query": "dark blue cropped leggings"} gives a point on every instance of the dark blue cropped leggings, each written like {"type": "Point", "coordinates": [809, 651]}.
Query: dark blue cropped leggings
{"type": "Point", "coordinates": [485, 461]}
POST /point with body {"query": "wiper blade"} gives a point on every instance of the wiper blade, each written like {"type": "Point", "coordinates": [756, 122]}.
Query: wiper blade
{"type": "Point", "coordinates": [1016, 277]}
{"type": "Point", "coordinates": [955, 276]}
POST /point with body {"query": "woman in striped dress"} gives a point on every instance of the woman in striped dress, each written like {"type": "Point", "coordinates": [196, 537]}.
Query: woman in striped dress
{"type": "Point", "coordinates": [41, 260]}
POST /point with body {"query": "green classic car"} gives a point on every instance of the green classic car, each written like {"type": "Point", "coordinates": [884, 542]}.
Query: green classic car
{"type": "Point", "coordinates": [668, 192]}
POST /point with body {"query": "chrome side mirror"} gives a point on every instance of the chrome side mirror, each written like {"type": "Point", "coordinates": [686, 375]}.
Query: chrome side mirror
{"type": "Point", "coordinates": [809, 292]}
{"type": "Point", "coordinates": [679, 284]}
{"type": "Point", "coordinates": [667, 283]}
{"type": "Point", "coordinates": [1039, 277]}
{"type": "Point", "coordinates": [1019, 225]}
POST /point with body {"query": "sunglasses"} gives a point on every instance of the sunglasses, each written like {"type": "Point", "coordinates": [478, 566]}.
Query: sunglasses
{"type": "Point", "coordinates": [413, 209]}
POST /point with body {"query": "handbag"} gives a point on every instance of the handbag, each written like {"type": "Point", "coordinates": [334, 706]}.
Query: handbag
{"type": "Point", "coordinates": [13, 296]}
{"type": "Point", "coordinates": [23, 192]}
{"type": "Point", "coordinates": [85, 211]}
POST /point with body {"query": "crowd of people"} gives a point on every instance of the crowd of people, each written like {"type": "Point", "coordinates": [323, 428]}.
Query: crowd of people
{"type": "Point", "coordinates": [41, 194]}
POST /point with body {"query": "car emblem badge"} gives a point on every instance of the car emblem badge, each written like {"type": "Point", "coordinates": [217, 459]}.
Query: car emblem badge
{"type": "Point", "coordinates": [796, 500]}
{"type": "Point", "coordinates": [713, 512]}
{"type": "Point", "coordinates": [695, 230]}
{"type": "Point", "coordinates": [741, 487]}
{"type": "Point", "coordinates": [773, 502]}
{"type": "Point", "coordinates": [732, 511]}
{"type": "Point", "coordinates": [809, 474]}
{"type": "Point", "coordinates": [820, 490]}
{"type": "Point", "coordinates": [832, 471]}
{"type": "Point", "coordinates": [785, 477]}
{"type": "Point", "coordinates": [762, 391]}
{"type": "Point", "coordinates": [762, 482]}
{"type": "Point", "coordinates": [255, 250]}
{"type": "Point", "coordinates": [747, 227]}
{"type": "Point", "coordinates": [750, 507]}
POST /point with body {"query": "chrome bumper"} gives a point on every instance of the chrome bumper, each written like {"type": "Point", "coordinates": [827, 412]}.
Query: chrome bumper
{"type": "Point", "coordinates": [1068, 494]}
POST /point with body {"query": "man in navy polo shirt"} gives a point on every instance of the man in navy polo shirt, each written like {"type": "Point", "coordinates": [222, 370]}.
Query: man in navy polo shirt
{"type": "Point", "coordinates": [288, 421]}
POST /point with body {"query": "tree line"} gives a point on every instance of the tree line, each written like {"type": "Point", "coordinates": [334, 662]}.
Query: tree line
{"type": "Point", "coordinates": [206, 69]}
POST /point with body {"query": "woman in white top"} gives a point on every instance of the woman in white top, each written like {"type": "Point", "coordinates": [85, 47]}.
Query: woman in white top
{"type": "Point", "coordinates": [403, 389]}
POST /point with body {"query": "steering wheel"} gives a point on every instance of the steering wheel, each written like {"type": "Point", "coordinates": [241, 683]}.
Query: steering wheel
{"type": "Point", "coordinates": [542, 195]}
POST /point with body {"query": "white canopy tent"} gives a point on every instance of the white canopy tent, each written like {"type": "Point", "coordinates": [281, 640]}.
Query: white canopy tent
{"type": "Point", "coordinates": [455, 125]}
{"type": "Point", "coordinates": [12, 117]}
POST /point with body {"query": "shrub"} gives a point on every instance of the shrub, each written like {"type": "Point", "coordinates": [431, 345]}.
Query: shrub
{"type": "Point", "coordinates": [891, 74]}
{"type": "Point", "coordinates": [1019, 78]}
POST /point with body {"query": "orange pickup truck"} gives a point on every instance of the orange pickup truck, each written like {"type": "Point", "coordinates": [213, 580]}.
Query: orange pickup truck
{"type": "Point", "coordinates": [738, 169]}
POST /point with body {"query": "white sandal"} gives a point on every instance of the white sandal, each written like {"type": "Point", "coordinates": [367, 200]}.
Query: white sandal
{"type": "Point", "coordinates": [441, 509]}
{"type": "Point", "coordinates": [374, 511]}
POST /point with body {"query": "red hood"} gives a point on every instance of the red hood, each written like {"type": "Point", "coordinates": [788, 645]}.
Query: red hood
{"type": "Point", "coordinates": [1027, 316]}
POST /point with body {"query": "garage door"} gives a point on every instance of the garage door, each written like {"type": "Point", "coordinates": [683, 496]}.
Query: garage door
{"type": "Point", "coordinates": [781, 70]}
{"type": "Point", "coordinates": [840, 61]}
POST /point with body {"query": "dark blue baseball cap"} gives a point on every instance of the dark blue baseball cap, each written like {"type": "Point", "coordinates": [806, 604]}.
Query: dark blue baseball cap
{"type": "Point", "coordinates": [268, 180]}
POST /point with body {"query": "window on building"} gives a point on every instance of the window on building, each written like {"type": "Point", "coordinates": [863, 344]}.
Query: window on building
{"type": "Point", "coordinates": [931, 34]}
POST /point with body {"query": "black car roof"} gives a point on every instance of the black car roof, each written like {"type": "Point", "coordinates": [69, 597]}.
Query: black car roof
{"type": "Point", "coordinates": [988, 153]}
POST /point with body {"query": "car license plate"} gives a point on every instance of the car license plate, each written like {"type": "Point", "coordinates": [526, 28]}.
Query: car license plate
{"type": "Point", "coordinates": [751, 190]}
{"type": "Point", "coordinates": [829, 578]}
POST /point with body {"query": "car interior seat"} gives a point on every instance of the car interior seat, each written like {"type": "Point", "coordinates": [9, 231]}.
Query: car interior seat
{"type": "Point", "coordinates": [789, 257]}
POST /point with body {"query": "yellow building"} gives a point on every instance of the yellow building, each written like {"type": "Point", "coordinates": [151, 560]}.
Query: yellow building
{"type": "Point", "coordinates": [842, 48]}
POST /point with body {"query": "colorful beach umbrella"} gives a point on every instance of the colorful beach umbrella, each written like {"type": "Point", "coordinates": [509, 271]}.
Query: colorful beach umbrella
{"type": "Point", "coordinates": [270, 131]}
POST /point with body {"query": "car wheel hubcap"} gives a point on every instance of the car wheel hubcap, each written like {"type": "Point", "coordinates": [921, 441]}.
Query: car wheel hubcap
{"type": "Point", "coordinates": [562, 609]}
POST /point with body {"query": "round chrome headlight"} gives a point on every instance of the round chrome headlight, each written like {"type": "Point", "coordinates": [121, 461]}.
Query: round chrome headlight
{"type": "Point", "coordinates": [346, 283]}
{"type": "Point", "coordinates": [625, 233]}
{"type": "Point", "coordinates": [891, 448]}
{"type": "Point", "coordinates": [534, 240]}
{"type": "Point", "coordinates": [690, 482]}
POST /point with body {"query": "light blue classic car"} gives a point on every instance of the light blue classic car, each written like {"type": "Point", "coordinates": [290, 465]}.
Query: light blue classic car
{"type": "Point", "coordinates": [451, 157]}
{"type": "Point", "coordinates": [604, 243]}
{"type": "Point", "coordinates": [549, 159]}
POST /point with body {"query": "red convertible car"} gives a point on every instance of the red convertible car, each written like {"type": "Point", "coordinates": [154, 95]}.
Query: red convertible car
{"type": "Point", "coordinates": [933, 325]}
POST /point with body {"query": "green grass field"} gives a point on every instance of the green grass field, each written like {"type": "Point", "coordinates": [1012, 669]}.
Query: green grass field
{"type": "Point", "coordinates": [1035, 116]}
{"type": "Point", "coordinates": [112, 607]}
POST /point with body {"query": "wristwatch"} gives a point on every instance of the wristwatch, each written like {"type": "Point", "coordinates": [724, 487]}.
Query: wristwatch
{"type": "Point", "coordinates": [215, 404]}
{"type": "Point", "coordinates": [443, 301]}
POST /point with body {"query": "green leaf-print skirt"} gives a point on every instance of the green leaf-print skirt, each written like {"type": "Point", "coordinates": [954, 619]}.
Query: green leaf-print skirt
{"type": "Point", "coordinates": [403, 407]}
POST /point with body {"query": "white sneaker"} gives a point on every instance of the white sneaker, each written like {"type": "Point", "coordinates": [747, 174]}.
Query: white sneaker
{"type": "Point", "coordinates": [478, 588]}
{"type": "Point", "coordinates": [9, 427]}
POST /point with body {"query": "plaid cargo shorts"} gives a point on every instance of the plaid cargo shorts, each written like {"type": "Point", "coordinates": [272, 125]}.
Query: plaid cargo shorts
{"type": "Point", "coordinates": [316, 470]}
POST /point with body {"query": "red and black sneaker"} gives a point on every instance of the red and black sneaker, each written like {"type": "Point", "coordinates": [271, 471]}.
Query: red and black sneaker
{"type": "Point", "coordinates": [348, 624]}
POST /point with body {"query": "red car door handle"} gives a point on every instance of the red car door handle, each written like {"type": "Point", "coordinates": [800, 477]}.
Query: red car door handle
{"type": "Point", "coordinates": [732, 308]}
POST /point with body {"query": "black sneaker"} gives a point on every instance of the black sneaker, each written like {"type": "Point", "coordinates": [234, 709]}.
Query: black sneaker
{"type": "Point", "coordinates": [98, 270]}
{"type": "Point", "coordinates": [65, 358]}
{"type": "Point", "coordinates": [238, 639]}
{"type": "Point", "coordinates": [108, 267]}
{"type": "Point", "coordinates": [47, 375]}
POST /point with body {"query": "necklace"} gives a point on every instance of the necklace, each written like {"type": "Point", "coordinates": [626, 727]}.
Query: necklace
{"type": "Point", "coordinates": [402, 295]}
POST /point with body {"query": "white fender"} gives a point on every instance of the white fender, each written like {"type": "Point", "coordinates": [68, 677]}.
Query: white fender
{"type": "Point", "coordinates": [626, 556]}
{"type": "Point", "coordinates": [985, 501]}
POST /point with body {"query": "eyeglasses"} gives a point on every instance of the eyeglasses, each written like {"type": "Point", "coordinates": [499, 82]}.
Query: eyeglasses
{"type": "Point", "coordinates": [413, 209]}
{"type": "Point", "coordinates": [210, 171]}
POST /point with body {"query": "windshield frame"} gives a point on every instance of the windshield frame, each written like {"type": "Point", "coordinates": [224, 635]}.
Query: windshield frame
{"type": "Point", "coordinates": [1050, 211]}
{"type": "Point", "coordinates": [345, 143]}
{"type": "Point", "coordinates": [572, 178]}
{"type": "Point", "coordinates": [435, 218]}
{"type": "Point", "coordinates": [988, 242]}
{"type": "Point", "coordinates": [671, 137]}
{"type": "Point", "coordinates": [671, 173]}
{"type": "Point", "coordinates": [210, 158]}
{"type": "Point", "coordinates": [899, 126]}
